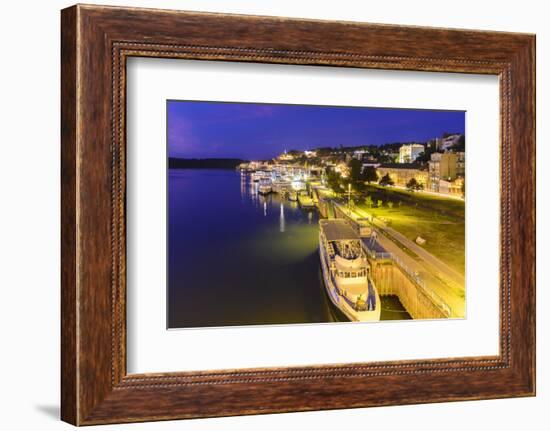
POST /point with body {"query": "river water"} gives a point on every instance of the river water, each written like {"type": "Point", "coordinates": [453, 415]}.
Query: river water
{"type": "Point", "coordinates": [238, 258]}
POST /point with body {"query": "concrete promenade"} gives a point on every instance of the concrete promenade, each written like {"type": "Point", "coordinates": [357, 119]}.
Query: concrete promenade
{"type": "Point", "coordinates": [447, 283]}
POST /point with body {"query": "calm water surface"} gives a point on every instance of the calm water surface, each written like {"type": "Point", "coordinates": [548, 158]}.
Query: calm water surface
{"type": "Point", "coordinates": [238, 258]}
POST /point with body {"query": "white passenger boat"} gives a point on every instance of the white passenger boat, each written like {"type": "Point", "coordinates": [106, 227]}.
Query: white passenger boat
{"type": "Point", "coordinates": [256, 176]}
{"type": "Point", "coordinates": [265, 187]}
{"type": "Point", "coordinates": [298, 184]}
{"type": "Point", "coordinates": [346, 271]}
{"type": "Point", "coordinates": [259, 175]}
{"type": "Point", "coordinates": [280, 186]}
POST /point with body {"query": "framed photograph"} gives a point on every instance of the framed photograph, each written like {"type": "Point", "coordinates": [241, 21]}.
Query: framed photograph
{"type": "Point", "coordinates": [267, 215]}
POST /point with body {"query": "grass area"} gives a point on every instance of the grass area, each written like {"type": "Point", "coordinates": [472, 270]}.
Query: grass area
{"type": "Point", "coordinates": [439, 221]}
{"type": "Point", "coordinates": [436, 203]}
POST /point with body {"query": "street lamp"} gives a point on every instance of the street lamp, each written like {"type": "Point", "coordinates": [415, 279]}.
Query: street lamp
{"type": "Point", "coordinates": [349, 197]}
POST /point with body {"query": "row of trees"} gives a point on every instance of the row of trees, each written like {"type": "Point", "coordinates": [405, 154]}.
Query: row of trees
{"type": "Point", "coordinates": [358, 177]}
{"type": "Point", "coordinates": [334, 181]}
{"type": "Point", "coordinates": [412, 184]}
{"type": "Point", "coordinates": [369, 174]}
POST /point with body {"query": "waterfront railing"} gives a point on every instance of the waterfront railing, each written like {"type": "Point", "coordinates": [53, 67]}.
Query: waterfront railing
{"type": "Point", "coordinates": [413, 275]}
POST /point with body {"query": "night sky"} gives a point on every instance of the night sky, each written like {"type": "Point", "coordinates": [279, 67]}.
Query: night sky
{"type": "Point", "coordinates": [254, 131]}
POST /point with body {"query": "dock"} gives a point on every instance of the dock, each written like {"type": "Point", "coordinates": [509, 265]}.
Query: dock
{"type": "Point", "coordinates": [395, 272]}
{"type": "Point", "coordinates": [306, 201]}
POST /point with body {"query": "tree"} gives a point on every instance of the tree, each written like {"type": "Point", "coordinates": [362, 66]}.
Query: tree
{"type": "Point", "coordinates": [386, 180]}
{"type": "Point", "coordinates": [334, 181]}
{"type": "Point", "coordinates": [414, 185]}
{"type": "Point", "coordinates": [324, 151]}
{"type": "Point", "coordinates": [370, 174]}
{"type": "Point", "coordinates": [461, 144]}
{"type": "Point", "coordinates": [354, 166]}
{"type": "Point", "coordinates": [411, 185]}
{"type": "Point", "coordinates": [359, 186]}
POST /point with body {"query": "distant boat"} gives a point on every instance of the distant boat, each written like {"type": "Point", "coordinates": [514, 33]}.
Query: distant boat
{"type": "Point", "coordinates": [346, 271]}
{"type": "Point", "coordinates": [280, 186]}
{"type": "Point", "coordinates": [305, 201]}
{"type": "Point", "coordinates": [298, 184]}
{"type": "Point", "coordinates": [260, 175]}
{"type": "Point", "coordinates": [265, 187]}
{"type": "Point", "coordinates": [293, 195]}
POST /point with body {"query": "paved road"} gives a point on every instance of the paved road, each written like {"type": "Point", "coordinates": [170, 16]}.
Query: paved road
{"type": "Point", "coordinates": [449, 292]}
{"type": "Point", "coordinates": [429, 193]}
{"type": "Point", "coordinates": [444, 269]}
{"type": "Point", "coordinates": [441, 266]}
{"type": "Point", "coordinates": [446, 282]}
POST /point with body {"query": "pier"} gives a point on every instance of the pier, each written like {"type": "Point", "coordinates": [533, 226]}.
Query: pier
{"type": "Point", "coordinates": [393, 278]}
{"type": "Point", "coordinates": [425, 286]}
{"type": "Point", "coordinates": [393, 271]}
{"type": "Point", "coordinates": [305, 201]}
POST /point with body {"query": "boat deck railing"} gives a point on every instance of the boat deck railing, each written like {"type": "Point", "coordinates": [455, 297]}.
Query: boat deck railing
{"type": "Point", "coordinates": [370, 301]}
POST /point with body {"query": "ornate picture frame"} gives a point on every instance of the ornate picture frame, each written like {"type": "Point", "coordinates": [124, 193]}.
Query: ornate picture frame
{"type": "Point", "coordinates": [96, 41]}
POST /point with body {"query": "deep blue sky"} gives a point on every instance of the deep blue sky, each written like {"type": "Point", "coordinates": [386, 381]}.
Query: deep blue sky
{"type": "Point", "coordinates": [262, 131]}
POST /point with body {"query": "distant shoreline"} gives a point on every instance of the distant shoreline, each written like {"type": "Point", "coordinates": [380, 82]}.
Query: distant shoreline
{"type": "Point", "coordinates": [177, 163]}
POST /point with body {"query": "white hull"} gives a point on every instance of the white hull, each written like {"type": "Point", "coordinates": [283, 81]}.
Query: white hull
{"type": "Point", "coordinates": [337, 297]}
{"type": "Point", "coordinates": [264, 192]}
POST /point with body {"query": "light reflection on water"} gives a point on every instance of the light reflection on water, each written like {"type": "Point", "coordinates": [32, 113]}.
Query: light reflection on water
{"type": "Point", "coordinates": [282, 219]}
{"type": "Point", "coordinates": [240, 258]}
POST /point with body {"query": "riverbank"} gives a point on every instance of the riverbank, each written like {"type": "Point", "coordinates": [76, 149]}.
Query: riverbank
{"type": "Point", "coordinates": [440, 222]}
{"type": "Point", "coordinates": [177, 163]}
{"type": "Point", "coordinates": [238, 258]}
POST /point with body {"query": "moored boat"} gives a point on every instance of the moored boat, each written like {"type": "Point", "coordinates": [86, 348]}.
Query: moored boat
{"type": "Point", "coordinates": [280, 186]}
{"type": "Point", "coordinates": [256, 176]}
{"type": "Point", "coordinates": [305, 201]}
{"type": "Point", "coordinates": [346, 272]}
{"type": "Point", "coordinates": [265, 187]}
{"type": "Point", "coordinates": [293, 195]}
